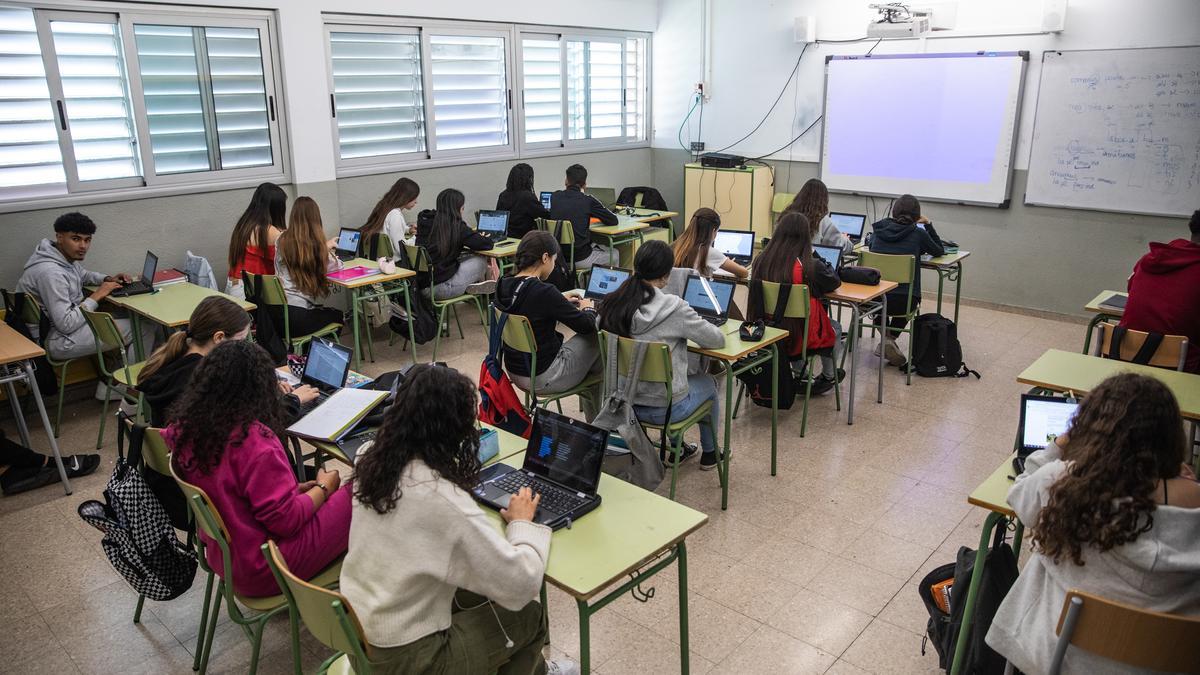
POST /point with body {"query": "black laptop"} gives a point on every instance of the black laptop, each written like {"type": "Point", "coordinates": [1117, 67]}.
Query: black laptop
{"type": "Point", "coordinates": [1043, 418]}
{"type": "Point", "coordinates": [347, 244]}
{"type": "Point", "coordinates": [830, 254]}
{"type": "Point", "coordinates": [545, 197]}
{"type": "Point", "coordinates": [737, 245]}
{"type": "Point", "coordinates": [562, 464]}
{"type": "Point", "coordinates": [493, 225]}
{"type": "Point", "coordinates": [710, 298]}
{"type": "Point", "coordinates": [143, 285]}
{"type": "Point", "coordinates": [326, 369]}
{"type": "Point", "coordinates": [849, 224]}
{"type": "Point", "coordinates": [603, 280]}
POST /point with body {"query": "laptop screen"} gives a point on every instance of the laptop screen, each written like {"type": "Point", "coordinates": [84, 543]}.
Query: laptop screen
{"type": "Point", "coordinates": [708, 296]}
{"type": "Point", "coordinates": [149, 267]}
{"type": "Point", "coordinates": [348, 240]}
{"type": "Point", "coordinates": [735, 243]}
{"type": "Point", "coordinates": [493, 221]}
{"type": "Point", "coordinates": [605, 280]}
{"type": "Point", "coordinates": [546, 200]}
{"type": "Point", "coordinates": [1044, 418]}
{"type": "Point", "coordinates": [328, 364]}
{"type": "Point", "coordinates": [849, 223]}
{"type": "Point", "coordinates": [830, 254]}
{"type": "Point", "coordinates": [565, 450]}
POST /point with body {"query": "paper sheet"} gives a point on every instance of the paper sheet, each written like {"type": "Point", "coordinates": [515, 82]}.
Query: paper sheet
{"type": "Point", "coordinates": [338, 413]}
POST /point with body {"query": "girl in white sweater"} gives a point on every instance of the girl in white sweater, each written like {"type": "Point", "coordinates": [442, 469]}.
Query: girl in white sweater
{"type": "Point", "coordinates": [437, 586]}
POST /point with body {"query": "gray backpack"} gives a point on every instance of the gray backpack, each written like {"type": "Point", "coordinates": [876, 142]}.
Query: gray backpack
{"type": "Point", "coordinates": [638, 462]}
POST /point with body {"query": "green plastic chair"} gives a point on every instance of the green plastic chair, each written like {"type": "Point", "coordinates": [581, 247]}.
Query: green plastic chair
{"type": "Point", "coordinates": [273, 296]}
{"type": "Point", "coordinates": [380, 244]}
{"type": "Point", "coordinates": [209, 521]}
{"type": "Point", "coordinates": [32, 315]}
{"type": "Point", "coordinates": [420, 258]}
{"type": "Point", "coordinates": [901, 269]}
{"type": "Point", "coordinates": [109, 338]}
{"type": "Point", "coordinates": [656, 369]}
{"type": "Point", "coordinates": [326, 614]}
{"type": "Point", "coordinates": [518, 335]}
{"type": "Point", "coordinates": [797, 308]}
{"type": "Point", "coordinates": [564, 232]}
{"type": "Point", "coordinates": [780, 201]}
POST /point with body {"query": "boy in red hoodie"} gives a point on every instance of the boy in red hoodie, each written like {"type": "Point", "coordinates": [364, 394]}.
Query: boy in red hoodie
{"type": "Point", "coordinates": [1164, 292]}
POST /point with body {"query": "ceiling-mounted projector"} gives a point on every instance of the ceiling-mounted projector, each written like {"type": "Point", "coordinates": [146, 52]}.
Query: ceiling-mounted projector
{"type": "Point", "coordinates": [896, 21]}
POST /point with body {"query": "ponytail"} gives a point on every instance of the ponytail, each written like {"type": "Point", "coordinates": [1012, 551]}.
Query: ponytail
{"type": "Point", "coordinates": [175, 347]}
{"type": "Point", "coordinates": [215, 314]}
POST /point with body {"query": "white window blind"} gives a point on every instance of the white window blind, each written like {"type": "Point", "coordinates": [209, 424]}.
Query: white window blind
{"type": "Point", "coordinates": [175, 104]}
{"type": "Point", "coordinates": [239, 94]}
{"type": "Point", "coordinates": [635, 88]}
{"type": "Point", "coordinates": [377, 94]}
{"type": "Point", "coordinates": [541, 64]}
{"type": "Point", "coordinates": [469, 90]}
{"type": "Point", "coordinates": [29, 149]}
{"type": "Point", "coordinates": [594, 89]}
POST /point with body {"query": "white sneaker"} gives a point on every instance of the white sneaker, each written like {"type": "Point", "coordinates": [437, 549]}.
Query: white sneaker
{"type": "Point", "coordinates": [879, 349]}
{"type": "Point", "coordinates": [116, 393]}
{"type": "Point", "coordinates": [892, 352]}
{"type": "Point", "coordinates": [562, 667]}
{"type": "Point", "coordinates": [482, 288]}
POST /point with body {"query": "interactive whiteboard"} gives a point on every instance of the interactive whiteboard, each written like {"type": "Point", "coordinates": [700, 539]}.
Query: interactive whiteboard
{"type": "Point", "coordinates": [1118, 130]}
{"type": "Point", "coordinates": [939, 126]}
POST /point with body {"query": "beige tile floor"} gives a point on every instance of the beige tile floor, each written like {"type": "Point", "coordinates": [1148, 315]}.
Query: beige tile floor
{"type": "Point", "coordinates": [811, 571]}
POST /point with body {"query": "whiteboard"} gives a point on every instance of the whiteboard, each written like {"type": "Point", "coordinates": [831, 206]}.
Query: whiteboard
{"type": "Point", "coordinates": [1118, 130]}
{"type": "Point", "coordinates": [938, 126]}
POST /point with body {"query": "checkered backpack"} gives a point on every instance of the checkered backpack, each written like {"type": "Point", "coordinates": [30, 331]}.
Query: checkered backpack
{"type": "Point", "coordinates": [138, 538]}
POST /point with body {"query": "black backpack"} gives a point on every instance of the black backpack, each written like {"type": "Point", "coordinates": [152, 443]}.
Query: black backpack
{"type": "Point", "coordinates": [999, 573]}
{"type": "Point", "coordinates": [936, 351]}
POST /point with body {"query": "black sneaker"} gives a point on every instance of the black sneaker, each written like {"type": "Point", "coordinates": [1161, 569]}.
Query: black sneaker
{"type": "Point", "coordinates": [688, 451]}
{"type": "Point", "coordinates": [821, 385]}
{"type": "Point", "coordinates": [709, 460]}
{"type": "Point", "coordinates": [79, 465]}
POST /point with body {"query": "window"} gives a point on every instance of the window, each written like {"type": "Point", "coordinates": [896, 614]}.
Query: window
{"type": "Point", "coordinates": [469, 87]}
{"type": "Point", "coordinates": [94, 101]}
{"type": "Point", "coordinates": [376, 88]}
{"type": "Point", "coordinates": [542, 100]}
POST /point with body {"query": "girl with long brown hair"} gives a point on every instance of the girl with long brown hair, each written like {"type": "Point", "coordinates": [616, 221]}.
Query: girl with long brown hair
{"type": "Point", "coordinates": [387, 218]}
{"type": "Point", "coordinates": [303, 259]}
{"type": "Point", "coordinates": [252, 244]}
{"type": "Point", "coordinates": [694, 248]}
{"type": "Point", "coordinates": [812, 202]}
{"type": "Point", "coordinates": [1114, 511]}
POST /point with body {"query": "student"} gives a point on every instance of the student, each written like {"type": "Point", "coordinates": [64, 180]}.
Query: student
{"type": "Point", "coordinates": [225, 438]}
{"type": "Point", "coordinates": [694, 248]}
{"type": "Point", "coordinates": [168, 371]}
{"type": "Point", "coordinates": [387, 218]}
{"type": "Point", "coordinates": [55, 277]}
{"type": "Point", "coordinates": [443, 234]}
{"type": "Point", "coordinates": [907, 232]}
{"type": "Point", "coordinates": [812, 201]}
{"type": "Point", "coordinates": [252, 245]}
{"type": "Point", "coordinates": [22, 469]}
{"type": "Point", "coordinates": [521, 202]}
{"type": "Point", "coordinates": [436, 586]}
{"type": "Point", "coordinates": [575, 205]}
{"type": "Point", "coordinates": [1164, 292]}
{"type": "Point", "coordinates": [789, 259]}
{"type": "Point", "coordinates": [1113, 511]}
{"type": "Point", "coordinates": [303, 258]}
{"type": "Point", "coordinates": [640, 309]}
{"type": "Point", "coordinates": [561, 366]}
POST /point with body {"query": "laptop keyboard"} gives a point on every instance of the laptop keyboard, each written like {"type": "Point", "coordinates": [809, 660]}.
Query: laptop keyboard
{"type": "Point", "coordinates": [717, 321]}
{"type": "Point", "coordinates": [554, 498]}
{"type": "Point", "coordinates": [306, 408]}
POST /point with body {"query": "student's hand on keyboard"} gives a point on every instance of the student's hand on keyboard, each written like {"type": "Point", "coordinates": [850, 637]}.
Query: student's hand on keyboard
{"type": "Point", "coordinates": [521, 506]}
{"type": "Point", "coordinates": [105, 289]}
{"type": "Point", "coordinates": [305, 393]}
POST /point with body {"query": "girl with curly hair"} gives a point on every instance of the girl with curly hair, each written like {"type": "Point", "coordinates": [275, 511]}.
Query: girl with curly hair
{"type": "Point", "coordinates": [1113, 511]}
{"type": "Point", "coordinates": [225, 440]}
{"type": "Point", "coordinates": [435, 585]}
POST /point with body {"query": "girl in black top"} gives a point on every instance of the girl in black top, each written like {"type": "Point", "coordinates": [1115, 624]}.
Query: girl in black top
{"type": "Point", "coordinates": [521, 202]}
{"type": "Point", "coordinates": [444, 234]}
{"type": "Point", "coordinates": [560, 365]}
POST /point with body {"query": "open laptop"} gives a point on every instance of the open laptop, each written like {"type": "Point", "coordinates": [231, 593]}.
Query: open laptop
{"type": "Point", "coordinates": [545, 197]}
{"type": "Point", "coordinates": [326, 369]}
{"type": "Point", "coordinates": [709, 297]}
{"type": "Point", "coordinates": [1043, 418]}
{"type": "Point", "coordinates": [493, 225]}
{"type": "Point", "coordinates": [737, 245]}
{"type": "Point", "coordinates": [347, 243]}
{"type": "Point", "coordinates": [850, 224]}
{"type": "Point", "coordinates": [830, 254]}
{"type": "Point", "coordinates": [606, 196]}
{"type": "Point", "coordinates": [562, 464]}
{"type": "Point", "coordinates": [143, 285]}
{"type": "Point", "coordinates": [604, 280]}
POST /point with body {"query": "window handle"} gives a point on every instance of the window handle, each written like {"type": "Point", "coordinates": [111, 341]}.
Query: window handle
{"type": "Point", "coordinates": [271, 103]}
{"type": "Point", "coordinates": [332, 107]}
{"type": "Point", "coordinates": [62, 114]}
{"type": "Point", "coordinates": [510, 99]}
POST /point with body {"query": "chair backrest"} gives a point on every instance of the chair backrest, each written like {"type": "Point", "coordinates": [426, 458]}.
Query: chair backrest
{"type": "Point", "coordinates": [108, 336]}
{"type": "Point", "coordinates": [418, 256]}
{"type": "Point", "coordinates": [205, 513]}
{"type": "Point", "coordinates": [155, 452]}
{"type": "Point", "coordinates": [781, 201]}
{"type": "Point", "coordinates": [901, 269]}
{"type": "Point", "coordinates": [32, 311]}
{"type": "Point", "coordinates": [1136, 637]}
{"type": "Point", "coordinates": [797, 301]}
{"type": "Point", "coordinates": [563, 228]}
{"type": "Point", "coordinates": [518, 332]}
{"type": "Point", "coordinates": [382, 244]}
{"type": "Point", "coordinates": [656, 365]}
{"type": "Point", "coordinates": [272, 289]}
{"type": "Point", "coordinates": [1171, 352]}
{"type": "Point", "coordinates": [605, 195]}
{"type": "Point", "coordinates": [327, 614]}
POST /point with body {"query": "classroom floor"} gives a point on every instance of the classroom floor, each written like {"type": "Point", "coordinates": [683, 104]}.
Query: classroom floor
{"type": "Point", "coordinates": [811, 571]}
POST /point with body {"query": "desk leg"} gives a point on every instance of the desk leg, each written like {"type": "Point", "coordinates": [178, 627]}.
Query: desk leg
{"type": "Point", "coordinates": [37, 398]}
{"type": "Point", "coordinates": [964, 631]}
{"type": "Point", "coordinates": [412, 340]}
{"type": "Point", "coordinates": [684, 662]}
{"type": "Point", "coordinates": [138, 348]}
{"type": "Point", "coordinates": [18, 414]}
{"type": "Point", "coordinates": [585, 638]}
{"type": "Point", "coordinates": [723, 466]}
{"type": "Point", "coordinates": [941, 279]}
{"type": "Point", "coordinates": [958, 272]}
{"type": "Point", "coordinates": [855, 317]}
{"type": "Point", "coordinates": [357, 336]}
{"type": "Point", "coordinates": [883, 334]}
{"type": "Point", "coordinates": [774, 400]}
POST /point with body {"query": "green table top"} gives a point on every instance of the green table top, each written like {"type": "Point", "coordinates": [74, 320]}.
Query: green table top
{"type": "Point", "coordinates": [171, 305]}
{"type": "Point", "coordinates": [504, 249]}
{"type": "Point", "coordinates": [1071, 371]}
{"type": "Point", "coordinates": [625, 225]}
{"type": "Point", "coordinates": [630, 526]}
{"type": "Point", "coordinates": [735, 348]}
{"type": "Point", "coordinates": [1095, 307]}
{"type": "Point", "coordinates": [932, 263]}
{"type": "Point", "coordinates": [992, 494]}
{"type": "Point", "coordinates": [399, 274]}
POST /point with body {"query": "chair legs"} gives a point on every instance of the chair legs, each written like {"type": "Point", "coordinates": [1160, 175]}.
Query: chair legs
{"type": "Point", "coordinates": [62, 387]}
{"type": "Point", "coordinates": [203, 632]}
{"type": "Point", "coordinates": [104, 414]}
{"type": "Point", "coordinates": [676, 452]}
{"type": "Point", "coordinates": [137, 612]}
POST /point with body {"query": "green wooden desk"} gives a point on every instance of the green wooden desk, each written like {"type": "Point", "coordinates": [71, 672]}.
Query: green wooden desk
{"type": "Point", "coordinates": [948, 267]}
{"type": "Point", "coordinates": [503, 252]}
{"type": "Point", "coordinates": [628, 230]}
{"type": "Point", "coordinates": [734, 350]}
{"type": "Point", "coordinates": [1059, 370]}
{"type": "Point", "coordinates": [1101, 312]}
{"type": "Point", "coordinates": [375, 286]}
{"type": "Point", "coordinates": [170, 306]}
{"type": "Point", "coordinates": [510, 445]}
{"type": "Point", "coordinates": [17, 353]}
{"type": "Point", "coordinates": [863, 301]}
{"type": "Point", "coordinates": [634, 532]}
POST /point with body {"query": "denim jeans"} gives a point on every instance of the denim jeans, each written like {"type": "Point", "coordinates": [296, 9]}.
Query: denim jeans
{"type": "Point", "coordinates": [701, 387]}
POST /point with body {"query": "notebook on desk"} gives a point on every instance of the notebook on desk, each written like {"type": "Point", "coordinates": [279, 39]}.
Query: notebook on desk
{"type": "Point", "coordinates": [1115, 301]}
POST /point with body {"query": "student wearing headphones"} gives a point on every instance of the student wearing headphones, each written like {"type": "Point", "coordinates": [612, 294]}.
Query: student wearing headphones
{"type": "Point", "coordinates": [437, 587]}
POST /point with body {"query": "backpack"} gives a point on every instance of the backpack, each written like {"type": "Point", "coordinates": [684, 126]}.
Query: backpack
{"type": "Point", "coordinates": [999, 573]}
{"type": "Point", "coordinates": [758, 379]}
{"type": "Point", "coordinates": [14, 311]}
{"type": "Point", "coordinates": [637, 462]}
{"type": "Point", "coordinates": [936, 351]}
{"type": "Point", "coordinates": [139, 540]}
{"type": "Point", "coordinates": [499, 404]}
{"type": "Point", "coordinates": [267, 330]}
{"type": "Point", "coordinates": [420, 311]}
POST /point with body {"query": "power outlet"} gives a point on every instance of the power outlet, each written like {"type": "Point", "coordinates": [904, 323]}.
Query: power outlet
{"type": "Point", "coordinates": [697, 146]}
